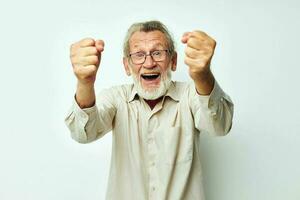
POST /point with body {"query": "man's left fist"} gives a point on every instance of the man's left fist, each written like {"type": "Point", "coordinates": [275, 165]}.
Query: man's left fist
{"type": "Point", "coordinates": [198, 53]}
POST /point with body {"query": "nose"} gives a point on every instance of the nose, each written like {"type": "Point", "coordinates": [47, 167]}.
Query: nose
{"type": "Point", "coordinates": [149, 62]}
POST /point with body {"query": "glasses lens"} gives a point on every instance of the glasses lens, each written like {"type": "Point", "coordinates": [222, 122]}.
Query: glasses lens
{"type": "Point", "coordinates": [138, 58]}
{"type": "Point", "coordinates": [159, 55]}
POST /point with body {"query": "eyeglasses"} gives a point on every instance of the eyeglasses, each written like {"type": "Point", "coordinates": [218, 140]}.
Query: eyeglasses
{"type": "Point", "coordinates": [157, 55]}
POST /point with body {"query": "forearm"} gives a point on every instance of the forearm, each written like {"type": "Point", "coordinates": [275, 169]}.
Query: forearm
{"type": "Point", "coordinates": [85, 95]}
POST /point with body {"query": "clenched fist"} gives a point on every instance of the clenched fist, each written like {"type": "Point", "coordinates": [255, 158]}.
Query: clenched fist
{"type": "Point", "coordinates": [198, 54]}
{"type": "Point", "coordinates": [85, 57]}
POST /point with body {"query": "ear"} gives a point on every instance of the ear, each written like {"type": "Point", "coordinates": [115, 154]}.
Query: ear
{"type": "Point", "coordinates": [174, 62]}
{"type": "Point", "coordinates": [126, 66]}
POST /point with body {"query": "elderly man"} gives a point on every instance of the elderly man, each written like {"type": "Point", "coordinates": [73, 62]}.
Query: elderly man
{"type": "Point", "coordinates": [155, 122]}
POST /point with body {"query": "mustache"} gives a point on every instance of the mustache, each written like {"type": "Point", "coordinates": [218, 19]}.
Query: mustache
{"type": "Point", "coordinates": [149, 71]}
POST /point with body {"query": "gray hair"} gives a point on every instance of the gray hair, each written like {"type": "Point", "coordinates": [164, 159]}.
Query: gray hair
{"type": "Point", "coordinates": [148, 26]}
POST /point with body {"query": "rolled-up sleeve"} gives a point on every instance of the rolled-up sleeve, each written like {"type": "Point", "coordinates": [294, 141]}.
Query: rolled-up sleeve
{"type": "Point", "coordinates": [212, 113]}
{"type": "Point", "coordinates": [89, 124]}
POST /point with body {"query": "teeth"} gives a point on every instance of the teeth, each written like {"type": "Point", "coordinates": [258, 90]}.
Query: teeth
{"type": "Point", "coordinates": [150, 74]}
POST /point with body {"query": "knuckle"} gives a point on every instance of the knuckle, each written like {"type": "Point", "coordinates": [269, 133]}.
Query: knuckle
{"type": "Point", "coordinates": [208, 50]}
{"type": "Point", "coordinates": [72, 55]}
{"type": "Point", "coordinates": [89, 71]}
{"type": "Point", "coordinates": [72, 49]}
{"type": "Point", "coordinates": [91, 51]}
{"type": "Point", "coordinates": [94, 50]}
{"type": "Point", "coordinates": [94, 59]}
{"type": "Point", "coordinates": [190, 41]}
{"type": "Point", "coordinates": [186, 50]}
{"type": "Point", "coordinates": [93, 69]}
{"type": "Point", "coordinates": [186, 61]}
{"type": "Point", "coordinates": [80, 73]}
{"type": "Point", "coordinates": [201, 63]}
{"type": "Point", "coordinates": [74, 60]}
{"type": "Point", "coordinates": [88, 41]}
{"type": "Point", "coordinates": [197, 32]}
{"type": "Point", "coordinates": [194, 54]}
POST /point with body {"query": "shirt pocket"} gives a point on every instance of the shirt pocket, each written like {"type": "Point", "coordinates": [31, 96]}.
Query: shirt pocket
{"type": "Point", "coordinates": [177, 146]}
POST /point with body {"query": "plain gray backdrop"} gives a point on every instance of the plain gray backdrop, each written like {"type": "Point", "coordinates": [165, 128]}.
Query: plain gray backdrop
{"type": "Point", "coordinates": [256, 62]}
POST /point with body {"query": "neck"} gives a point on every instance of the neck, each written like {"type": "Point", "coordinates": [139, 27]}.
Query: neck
{"type": "Point", "coordinates": [152, 103]}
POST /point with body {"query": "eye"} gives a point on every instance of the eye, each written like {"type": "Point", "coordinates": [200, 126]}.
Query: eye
{"type": "Point", "coordinates": [156, 53]}
{"type": "Point", "coordinates": [139, 54]}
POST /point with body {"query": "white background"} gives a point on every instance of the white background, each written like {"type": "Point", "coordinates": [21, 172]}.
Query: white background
{"type": "Point", "coordinates": [256, 62]}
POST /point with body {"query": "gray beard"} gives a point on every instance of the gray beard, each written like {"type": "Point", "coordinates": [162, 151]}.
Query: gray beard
{"type": "Point", "coordinates": [154, 93]}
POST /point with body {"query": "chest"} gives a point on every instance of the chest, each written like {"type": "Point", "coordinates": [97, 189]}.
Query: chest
{"type": "Point", "coordinates": [167, 130]}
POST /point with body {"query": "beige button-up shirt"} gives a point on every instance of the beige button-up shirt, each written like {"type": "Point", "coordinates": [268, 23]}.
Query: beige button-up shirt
{"type": "Point", "coordinates": [155, 153]}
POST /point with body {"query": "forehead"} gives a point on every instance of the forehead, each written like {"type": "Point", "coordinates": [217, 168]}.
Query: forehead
{"type": "Point", "coordinates": [147, 39]}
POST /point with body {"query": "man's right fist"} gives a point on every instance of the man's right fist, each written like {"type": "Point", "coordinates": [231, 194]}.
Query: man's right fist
{"type": "Point", "coordinates": [85, 57]}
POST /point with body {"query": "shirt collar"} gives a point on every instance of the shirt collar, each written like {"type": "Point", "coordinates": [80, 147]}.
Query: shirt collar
{"type": "Point", "coordinates": [171, 92]}
{"type": "Point", "coordinates": [133, 93]}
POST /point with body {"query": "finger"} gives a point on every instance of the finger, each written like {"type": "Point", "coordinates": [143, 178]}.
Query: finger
{"type": "Point", "coordinates": [85, 61]}
{"type": "Point", "coordinates": [99, 45]}
{"type": "Point", "coordinates": [87, 42]}
{"type": "Point", "coordinates": [193, 53]}
{"type": "Point", "coordinates": [88, 51]}
{"type": "Point", "coordinates": [194, 62]}
{"type": "Point", "coordinates": [198, 33]}
{"type": "Point", "coordinates": [185, 37]}
{"type": "Point", "coordinates": [197, 43]}
{"type": "Point", "coordinates": [85, 72]}
{"type": "Point", "coordinates": [203, 37]}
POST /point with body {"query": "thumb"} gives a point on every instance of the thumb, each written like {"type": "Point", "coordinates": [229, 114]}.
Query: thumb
{"type": "Point", "coordinates": [99, 44]}
{"type": "Point", "coordinates": [185, 37]}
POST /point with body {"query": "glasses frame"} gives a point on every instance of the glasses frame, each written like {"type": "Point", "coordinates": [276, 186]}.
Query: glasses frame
{"type": "Point", "coordinates": [149, 54]}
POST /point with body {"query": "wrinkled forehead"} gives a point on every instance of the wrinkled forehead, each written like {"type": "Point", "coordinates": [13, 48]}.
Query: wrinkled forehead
{"type": "Point", "coordinates": [148, 40]}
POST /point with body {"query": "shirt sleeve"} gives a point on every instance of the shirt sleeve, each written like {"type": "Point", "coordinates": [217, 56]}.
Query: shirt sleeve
{"type": "Point", "coordinates": [212, 113]}
{"type": "Point", "coordinates": [89, 124]}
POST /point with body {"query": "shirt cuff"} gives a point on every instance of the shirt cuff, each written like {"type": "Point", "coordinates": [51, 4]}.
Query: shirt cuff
{"type": "Point", "coordinates": [86, 113]}
{"type": "Point", "coordinates": [212, 100]}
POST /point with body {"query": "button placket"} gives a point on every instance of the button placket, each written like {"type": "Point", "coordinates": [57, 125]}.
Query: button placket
{"type": "Point", "coordinates": [152, 152]}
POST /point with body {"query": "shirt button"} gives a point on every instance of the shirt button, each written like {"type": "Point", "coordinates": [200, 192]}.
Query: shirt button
{"type": "Point", "coordinates": [153, 188]}
{"type": "Point", "coordinates": [150, 140]}
{"type": "Point", "coordinates": [222, 99]}
{"type": "Point", "coordinates": [153, 164]}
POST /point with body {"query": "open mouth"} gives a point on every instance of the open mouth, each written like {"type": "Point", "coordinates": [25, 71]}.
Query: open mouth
{"type": "Point", "coordinates": [150, 77]}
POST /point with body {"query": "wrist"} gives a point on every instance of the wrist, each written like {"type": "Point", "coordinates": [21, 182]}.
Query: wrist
{"type": "Point", "coordinates": [201, 76]}
{"type": "Point", "coordinates": [85, 95]}
{"type": "Point", "coordinates": [204, 82]}
{"type": "Point", "coordinates": [85, 85]}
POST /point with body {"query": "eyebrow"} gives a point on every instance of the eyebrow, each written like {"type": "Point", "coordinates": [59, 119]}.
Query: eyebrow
{"type": "Point", "coordinates": [154, 46]}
